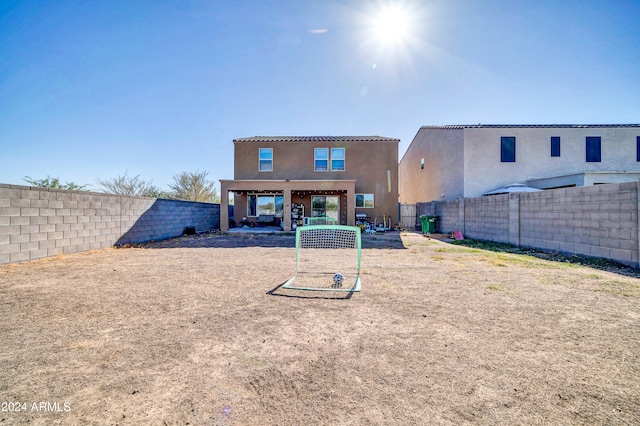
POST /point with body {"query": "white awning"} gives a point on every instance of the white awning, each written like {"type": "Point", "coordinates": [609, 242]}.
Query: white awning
{"type": "Point", "coordinates": [514, 187]}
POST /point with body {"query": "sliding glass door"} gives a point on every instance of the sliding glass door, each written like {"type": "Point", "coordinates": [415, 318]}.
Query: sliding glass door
{"type": "Point", "coordinates": [325, 206]}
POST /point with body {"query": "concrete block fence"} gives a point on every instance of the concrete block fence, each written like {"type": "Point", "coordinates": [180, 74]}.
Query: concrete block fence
{"type": "Point", "coordinates": [599, 221]}
{"type": "Point", "coordinates": [41, 222]}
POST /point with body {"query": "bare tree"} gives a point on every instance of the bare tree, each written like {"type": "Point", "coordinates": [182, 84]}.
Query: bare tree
{"type": "Point", "coordinates": [51, 182]}
{"type": "Point", "coordinates": [128, 185]}
{"type": "Point", "coordinates": [193, 186]}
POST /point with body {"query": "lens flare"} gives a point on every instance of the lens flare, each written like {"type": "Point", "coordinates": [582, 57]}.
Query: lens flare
{"type": "Point", "coordinates": [391, 24]}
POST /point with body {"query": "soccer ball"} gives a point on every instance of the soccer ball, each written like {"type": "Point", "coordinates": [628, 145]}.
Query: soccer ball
{"type": "Point", "coordinates": [337, 280]}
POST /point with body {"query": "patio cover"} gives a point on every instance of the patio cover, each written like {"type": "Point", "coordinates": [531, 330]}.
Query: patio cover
{"type": "Point", "coordinates": [286, 186]}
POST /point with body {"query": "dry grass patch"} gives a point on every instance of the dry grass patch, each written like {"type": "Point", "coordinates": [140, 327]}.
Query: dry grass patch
{"type": "Point", "coordinates": [622, 288]}
{"type": "Point", "coordinates": [495, 287]}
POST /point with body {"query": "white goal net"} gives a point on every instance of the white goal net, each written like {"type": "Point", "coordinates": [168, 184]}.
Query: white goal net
{"type": "Point", "coordinates": [327, 258]}
{"type": "Point", "coordinates": [319, 221]}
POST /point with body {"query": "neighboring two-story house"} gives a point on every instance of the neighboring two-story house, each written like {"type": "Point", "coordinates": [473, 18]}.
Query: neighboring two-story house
{"type": "Point", "coordinates": [292, 177]}
{"type": "Point", "coordinates": [450, 162]}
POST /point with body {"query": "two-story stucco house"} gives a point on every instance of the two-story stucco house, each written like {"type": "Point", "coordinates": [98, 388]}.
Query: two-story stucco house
{"type": "Point", "coordinates": [292, 177]}
{"type": "Point", "coordinates": [449, 162]}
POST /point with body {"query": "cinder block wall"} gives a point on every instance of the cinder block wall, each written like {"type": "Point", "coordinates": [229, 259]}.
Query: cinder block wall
{"type": "Point", "coordinates": [425, 209]}
{"type": "Point", "coordinates": [40, 222]}
{"type": "Point", "coordinates": [448, 213]}
{"type": "Point", "coordinates": [600, 221]}
{"type": "Point", "coordinates": [487, 218]}
{"type": "Point", "coordinates": [165, 219]}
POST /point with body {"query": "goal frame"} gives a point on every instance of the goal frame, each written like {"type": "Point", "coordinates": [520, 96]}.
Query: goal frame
{"type": "Point", "coordinates": [310, 221]}
{"type": "Point", "coordinates": [356, 287]}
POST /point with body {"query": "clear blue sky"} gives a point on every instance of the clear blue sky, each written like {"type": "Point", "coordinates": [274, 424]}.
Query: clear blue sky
{"type": "Point", "coordinates": [92, 89]}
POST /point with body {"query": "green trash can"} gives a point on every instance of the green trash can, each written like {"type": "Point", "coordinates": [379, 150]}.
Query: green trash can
{"type": "Point", "coordinates": [428, 224]}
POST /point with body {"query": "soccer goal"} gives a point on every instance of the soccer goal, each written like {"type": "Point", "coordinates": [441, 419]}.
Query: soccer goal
{"type": "Point", "coordinates": [327, 258]}
{"type": "Point", "coordinates": [308, 221]}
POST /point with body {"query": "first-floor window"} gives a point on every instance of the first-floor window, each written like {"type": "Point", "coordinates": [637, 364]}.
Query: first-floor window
{"type": "Point", "coordinates": [364, 201]}
{"type": "Point", "coordinates": [258, 204]}
{"type": "Point", "coordinates": [637, 148]}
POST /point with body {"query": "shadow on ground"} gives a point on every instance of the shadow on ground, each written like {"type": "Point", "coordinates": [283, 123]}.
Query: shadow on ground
{"type": "Point", "coordinates": [389, 240]}
{"type": "Point", "coordinates": [309, 294]}
{"type": "Point", "coordinates": [590, 262]}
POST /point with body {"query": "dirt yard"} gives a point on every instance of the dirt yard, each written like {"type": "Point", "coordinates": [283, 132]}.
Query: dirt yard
{"type": "Point", "coordinates": [197, 331]}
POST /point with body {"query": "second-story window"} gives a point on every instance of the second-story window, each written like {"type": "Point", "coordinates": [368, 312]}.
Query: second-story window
{"type": "Point", "coordinates": [508, 149]}
{"type": "Point", "coordinates": [337, 159]}
{"type": "Point", "coordinates": [593, 148]}
{"type": "Point", "coordinates": [266, 160]}
{"type": "Point", "coordinates": [555, 146]}
{"type": "Point", "coordinates": [321, 159]}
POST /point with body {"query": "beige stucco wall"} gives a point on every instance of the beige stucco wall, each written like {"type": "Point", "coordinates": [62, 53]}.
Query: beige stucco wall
{"type": "Point", "coordinates": [443, 172]}
{"type": "Point", "coordinates": [465, 161]}
{"type": "Point", "coordinates": [484, 172]}
{"type": "Point", "coordinates": [369, 163]}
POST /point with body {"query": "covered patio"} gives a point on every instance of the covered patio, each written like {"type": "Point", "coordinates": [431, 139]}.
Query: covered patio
{"type": "Point", "coordinates": [292, 193]}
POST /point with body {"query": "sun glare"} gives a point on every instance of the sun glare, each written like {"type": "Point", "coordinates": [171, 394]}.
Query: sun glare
{"type": "Point", "coordinates": [392, 34]}
{"type": "Point", "coordinates": [391, 24]}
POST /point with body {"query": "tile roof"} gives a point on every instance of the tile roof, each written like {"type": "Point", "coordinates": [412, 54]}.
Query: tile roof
{"type": "Point", "coordinates": [316, 139]}
{"type": "Point", "coordinates": [532, 126]}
